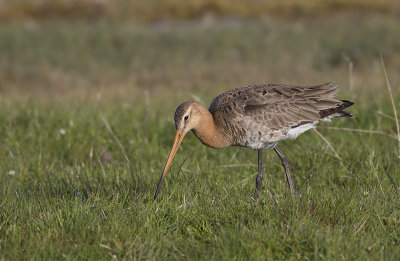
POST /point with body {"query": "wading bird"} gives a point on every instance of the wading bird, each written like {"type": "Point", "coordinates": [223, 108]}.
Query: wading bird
{"type": "Point", "coordinates": [257, 116]}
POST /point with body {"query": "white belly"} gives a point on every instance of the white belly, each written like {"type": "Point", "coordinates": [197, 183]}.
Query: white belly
{"type": "Point", "coordinates": [267, 139]}
{"type": "Point", "coordinates": [293, 133]}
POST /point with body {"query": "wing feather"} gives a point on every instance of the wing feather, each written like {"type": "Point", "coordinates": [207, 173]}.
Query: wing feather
{"type": "Point", "coordinates": [278, 106]}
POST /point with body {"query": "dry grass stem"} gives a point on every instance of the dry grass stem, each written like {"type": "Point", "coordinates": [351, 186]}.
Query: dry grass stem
{"type": "Point", "coordinates": [315, 209]}
{"type": "Point", "coordinates": [328, 143]}
{"type": "Point", "coordinates": [358, 230]}
{"type": "Point", "coordinates": [188, 170]}
{"type": "Point", "coordinates": [376, 174]}
{"type": "Point", "coordinates": [359, 130]}
{"type": "Point", "coordinates": [393, 105]}
{"type": "Point", "coordinates": [116, 140]}
{"type": "Point", "coordinates": [384, 115]}
{"type": "Point", "coordinates": [331, 147]}
{"type": "Point", "coordinates": [351, 65]}
{"type": "Point", "coordinates": [236, 165]}
{"type": "Point", "coordinates": [107, 247]}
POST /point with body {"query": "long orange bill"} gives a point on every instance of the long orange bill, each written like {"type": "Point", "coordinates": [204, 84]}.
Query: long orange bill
{"type": "Point", "coordinates": [178, 139]}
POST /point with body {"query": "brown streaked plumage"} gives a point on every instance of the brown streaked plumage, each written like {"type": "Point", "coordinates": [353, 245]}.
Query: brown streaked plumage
{"type": "Point", "coordinates": [257, 116]}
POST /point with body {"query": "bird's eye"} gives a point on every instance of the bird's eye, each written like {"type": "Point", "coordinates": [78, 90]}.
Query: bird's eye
{"type": "Point", "coordinates": [186, 117]}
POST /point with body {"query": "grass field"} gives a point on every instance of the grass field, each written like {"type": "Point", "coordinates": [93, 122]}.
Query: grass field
{"type": "Point", "coordinates": [67, 191]}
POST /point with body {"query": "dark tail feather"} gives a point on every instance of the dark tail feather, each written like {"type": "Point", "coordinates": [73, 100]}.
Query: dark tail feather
{"type": "Point", "coordinates": [338, 109]}
{"type": "Point", "coordinates": [345, 105]}
{"type": "Point", "coordinates": [346, 114]}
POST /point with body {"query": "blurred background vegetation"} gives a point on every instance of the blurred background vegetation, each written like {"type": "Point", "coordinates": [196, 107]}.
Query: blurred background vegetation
{"type": "Point", "coordinates": [153, 11]}
{"type": "Point", "coordinates": [96, 48]}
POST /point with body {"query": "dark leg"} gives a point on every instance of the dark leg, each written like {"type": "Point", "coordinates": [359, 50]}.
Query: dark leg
{"type": "Point", "coordinates": [285, 164]}
{"type": "Point", "coordinates": [259, 175]}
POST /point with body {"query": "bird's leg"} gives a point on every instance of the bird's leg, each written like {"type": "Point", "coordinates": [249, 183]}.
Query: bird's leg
{"type": "Point", "coordinates": [259, 174]}
{"type": "Point", "coordinates": [285, 164]}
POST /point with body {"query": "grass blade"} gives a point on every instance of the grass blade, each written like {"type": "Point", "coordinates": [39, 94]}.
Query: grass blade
{"type": "Point", "coordinates": [393, 105]}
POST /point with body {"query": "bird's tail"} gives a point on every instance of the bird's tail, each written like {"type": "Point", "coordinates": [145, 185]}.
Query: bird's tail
{"type": "Point", "coordinates": [343, 106]}
{"type": "Point", "coordinates": [337, 111]}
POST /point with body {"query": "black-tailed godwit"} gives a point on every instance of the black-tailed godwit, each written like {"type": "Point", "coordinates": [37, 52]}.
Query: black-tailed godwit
{"type": "Point", "coordinates": [257, 116]}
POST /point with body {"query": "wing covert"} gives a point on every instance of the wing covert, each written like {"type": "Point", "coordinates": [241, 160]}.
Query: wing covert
{"type": "Point", "coordinates": [277, 106]}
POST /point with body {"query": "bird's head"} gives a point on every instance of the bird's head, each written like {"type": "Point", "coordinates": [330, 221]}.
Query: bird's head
{"type": "Point", "coordinates": [187, 117]}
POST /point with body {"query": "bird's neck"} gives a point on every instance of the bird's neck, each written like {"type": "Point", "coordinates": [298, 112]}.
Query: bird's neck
{"type": "Point", "coordinates": [208, 132]}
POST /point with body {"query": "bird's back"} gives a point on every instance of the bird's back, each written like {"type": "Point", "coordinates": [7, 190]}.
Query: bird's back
{"type": "Point", "coordinates": [258, 116]}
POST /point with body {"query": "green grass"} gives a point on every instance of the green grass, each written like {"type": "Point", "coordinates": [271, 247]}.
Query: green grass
{"type": "Point", "coordinates": [74, 196]}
